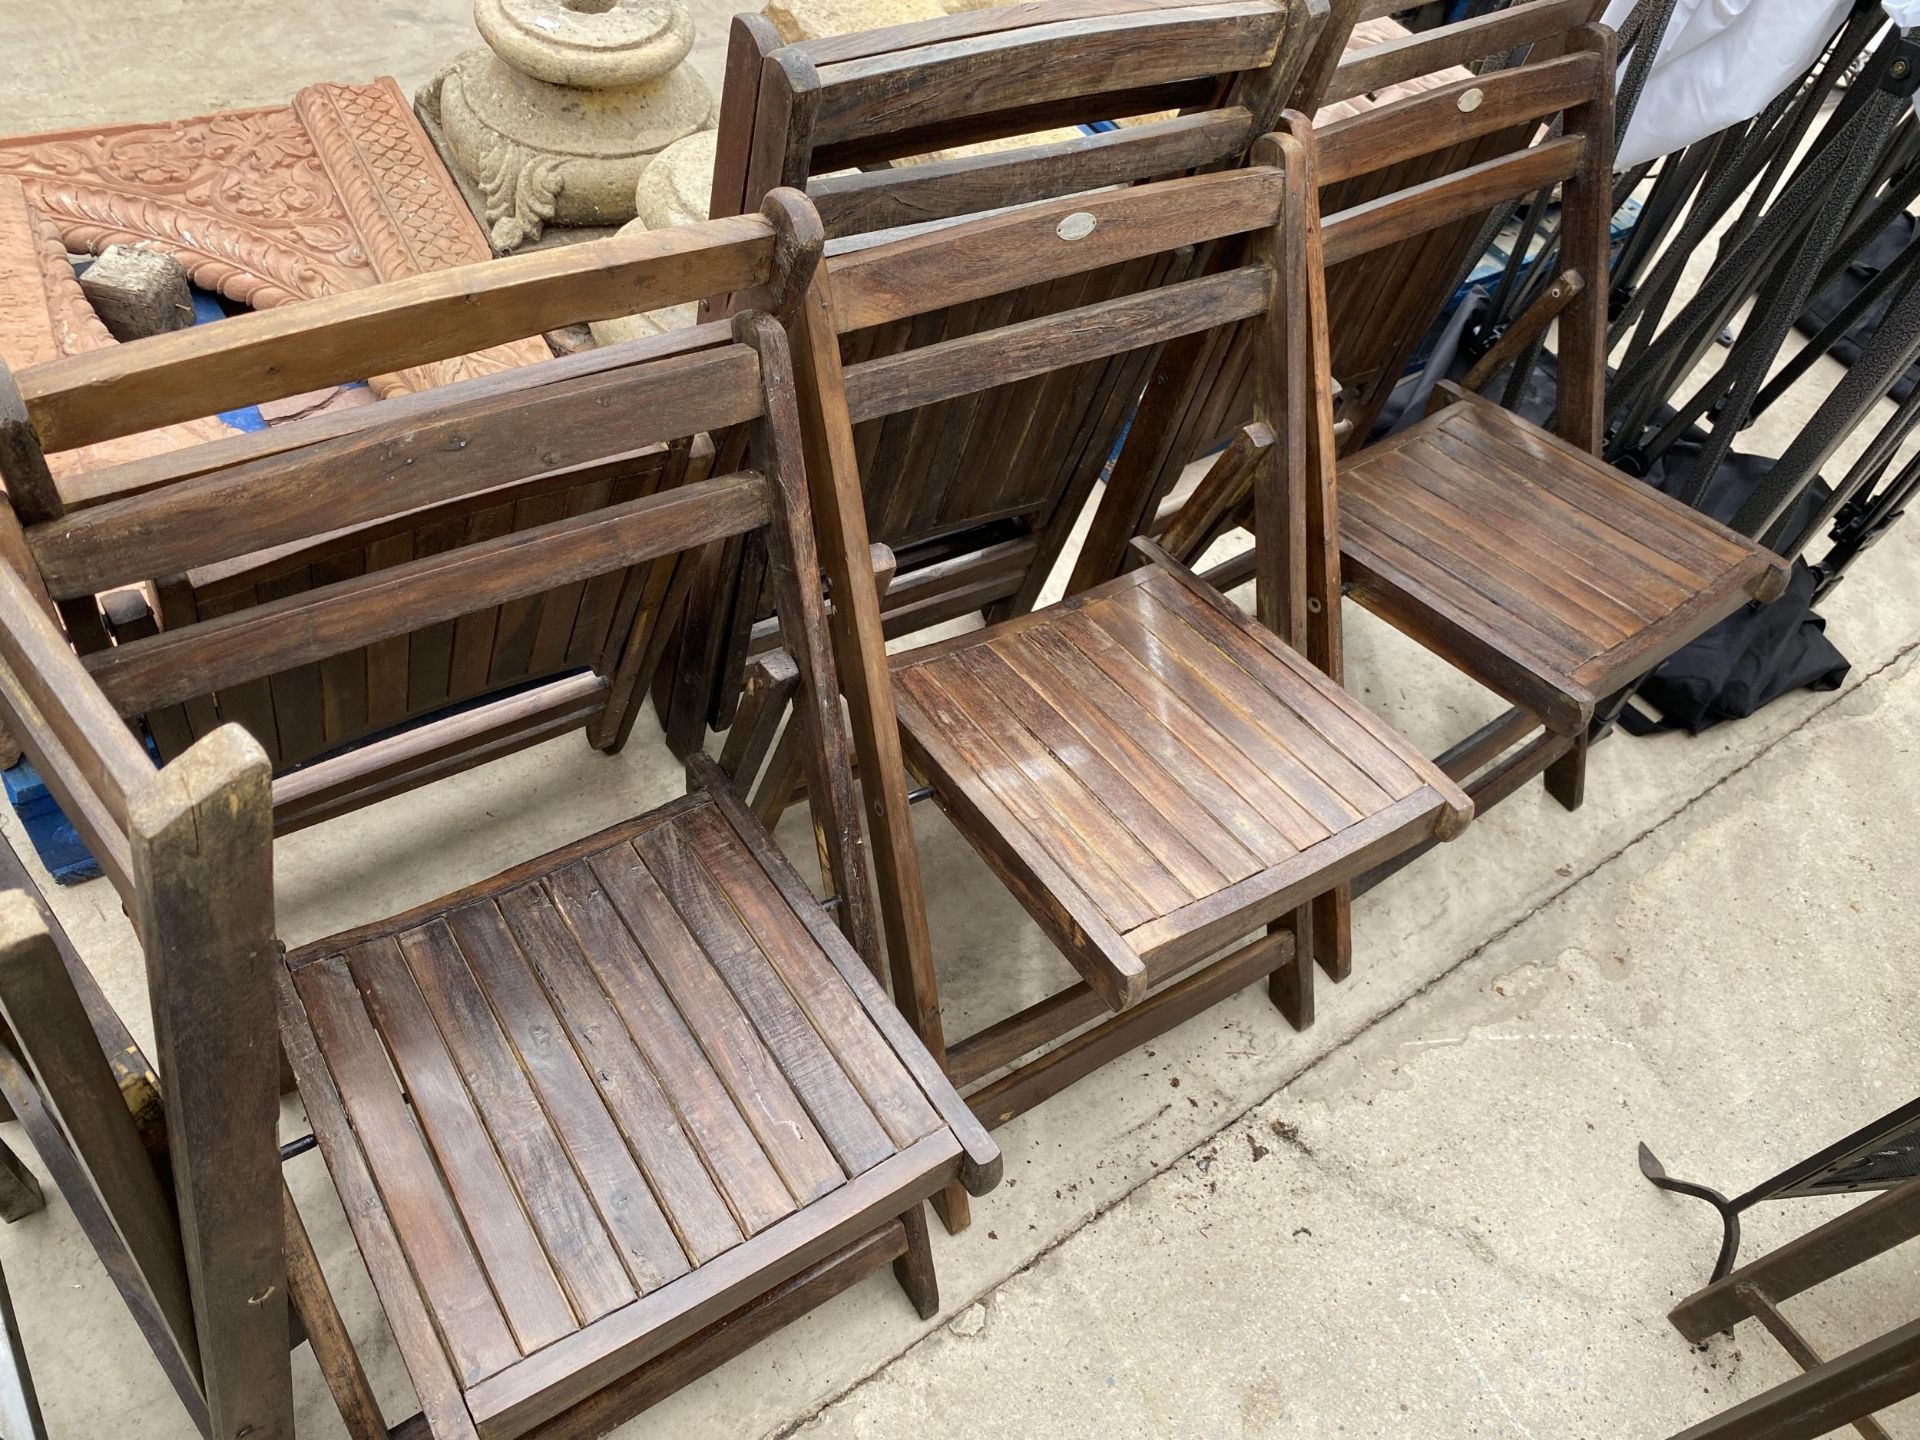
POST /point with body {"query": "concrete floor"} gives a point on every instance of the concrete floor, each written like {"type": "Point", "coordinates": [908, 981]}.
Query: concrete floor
{"type": "Point", "coordinates": [1421, 1218]}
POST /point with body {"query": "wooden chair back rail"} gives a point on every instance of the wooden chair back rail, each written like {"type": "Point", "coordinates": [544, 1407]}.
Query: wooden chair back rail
{"type": "Point", "coordinates": [1462, 43]}
{"type": "Point", "coordinates": [138, 477]}
{"type": "Point", "coordinates": [982, 258]}
{"type": "Point", "coordinates": [176, 665]}
{"type": "Point", "coordinates": [955, 81]}
{"type": "Point", "coordinates": [1421, 209]}
{"type": "Point", "coordinates": [89, 759]}
{"type": "Point", "coordinates": [972, 363]}
{"type": "Point", "coordinates": [271, 354]}
{"type": "Point", "coordinates": [390, 468]}
{"type": "Point", "coordinates": [1435, 119]}
{"type": "Point", "coordinates": [865, 201]}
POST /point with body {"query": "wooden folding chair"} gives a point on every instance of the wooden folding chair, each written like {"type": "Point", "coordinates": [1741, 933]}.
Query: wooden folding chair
{"type": "Point", "coordinates": [597, 1122]}
{"type": "Point", "coordinates": [1379, 306]}
{"type": "Point", "coordinates": [1154, 774]}
{"type": "Point", "coordinates": [1511, 551]}
{"type": "Point", "coordinates": [976, 499]}
{"type": "Point", "coordinates": [364, 716]}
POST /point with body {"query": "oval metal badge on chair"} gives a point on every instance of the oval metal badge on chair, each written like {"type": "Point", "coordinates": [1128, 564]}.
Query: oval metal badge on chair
{"type": "Point", "coordinates": [1076, 226]}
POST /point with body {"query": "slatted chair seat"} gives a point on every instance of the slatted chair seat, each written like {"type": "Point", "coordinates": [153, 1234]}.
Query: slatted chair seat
{"type": "Point", "coordinates": [1561, 578]}
{"type": "Point", "coordinates": [588, 1106]}
{"type": "Point", "coordinates": [1168, 771]}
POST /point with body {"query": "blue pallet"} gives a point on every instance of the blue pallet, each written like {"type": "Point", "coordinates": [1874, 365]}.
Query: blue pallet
{"type": "Point", "coordinates": [55, 841]}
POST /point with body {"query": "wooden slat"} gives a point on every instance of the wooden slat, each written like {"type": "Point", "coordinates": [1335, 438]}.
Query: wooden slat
{"type": "Point", "coordinates": [411, 1195]}
{"type": "Point", "coordinates": [44, 672]}
{"type": "Point", "coordinates": [154, 472]}
{"type": "Point", "coordinates": [839, 1112]}
{"type": "Point", "coordinates": [1450, 115]}
{"type": "Point", "coordinates": [948, 265]}
{"type": "Point", "coordinates": [47, 1024]}
{"type": "Point", "coordinates": [732, 1045]}
{"type": "Point", "coordinates": [1179, 938]}
{"type": "Point", "coordinates": [1049, 802]}
{"type": "Point", "coordinates": [1037, 347]}
{"type": "Point", "coordinates": [1473, 191]}
{"type": "Point", "coordinates": [1423, 53]}
{"type": "Point", "coordinates": [270, 354]}
{"type": "Point", "coordinates": [864, 201]}
{"type": "Point", "coordinates": [421, 753]}
{"type": "Point", "coordinates": [388, 469]}
{"type": "Point", "coordinates": [1197, 853]}
{"type": "Point", "coordinates": [503, 1233]}
{"type": "Point", "coordinates": [937, 83]}
{"type": "Point", "coordinates": [734, 1162]}
{"type": "Point", "coordinates": [628, 1086]}
{"type": "Point", "coordinates": [830, 1007]}
{"type": "Point", "coordinates": [536, 1045]}
{"type": "Point", "coordinates": [981, 1162]}
{"type": "Point", "coordinates": [173, 666]}
{"type": "Point", "coordinates": [577, 1366]}
{"type": "Point", "coordinates": [1142, 743]}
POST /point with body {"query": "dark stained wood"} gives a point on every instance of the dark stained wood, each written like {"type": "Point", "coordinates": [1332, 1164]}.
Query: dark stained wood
{"type": "Point", "coordinates": [200, 836]}
{"type": "Point", "coordinates": [271, 354]}
{"type": "Point", "coordinates": [1459, 44]}
{"type": "Point", "coordinates": [270, 637]}
{"type": "Point", "coordinates": [723, 1040]}
{"type": "Point", "coordinates": [49, 1028]}
{"type": "Point", "coordinates": [949, 265]}
{"type": "Point", "coordinates": [954, 478]}
{"type": "Point", "coordinates": [389, 469]}
{"type": "Point", "coordinates": [940, 82]}
{"type": "Point", "coordinates": [865, 201]}
{"type": "Point", "coordinates": [507, 1403]}
{"type": "Point", "coordinates": [1437, 119]}
{"type": "Point", "coordinates": [1575, 574]}
{"type": "Point", "coordinates": [1037, 347]}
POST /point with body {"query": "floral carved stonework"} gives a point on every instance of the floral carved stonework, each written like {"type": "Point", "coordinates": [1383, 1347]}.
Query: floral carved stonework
{"type": "Point", "coordinates": [337, 191]}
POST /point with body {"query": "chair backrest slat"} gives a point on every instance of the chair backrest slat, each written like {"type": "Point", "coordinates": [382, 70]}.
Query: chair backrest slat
{"type": "Point", "coordinates": [971, 261]}
{"type": "Point", "coordinates": [864, 201]}
{"type": "Point", "coordinates": [88, 488]}
{"type": "Point", "coordinates": [392, 467]}
{"type": "Point", "coordinates": [48, 676]}
{"type": "Point", "coordinates": [265, 639]}
{"type": "Point", "coordinates": [1450, 115]}
{"type": "Point", "coordinates": [968, 364]}
{"type": "Point", "coordinates": [1467, 193]}
{"type": "Point", "coordinates": [1462, 43]}
{"type": "Point", "coordinates": [271, 354]}
{"type": "Point", "coordinates": [927, 86]}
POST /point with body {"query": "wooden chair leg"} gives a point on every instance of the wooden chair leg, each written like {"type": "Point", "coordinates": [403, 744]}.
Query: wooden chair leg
{"type": "Point", "coordinates": [781, 777]}
{"type": "Point", "coordinates": [326, 1333]}
{"type": "Point", "coordinates": [1567, 776]}
{"type": "Point", "coordinates": [1291, 986]}
{"type": "Point", "coordinates": [914, 1270]}
{"type": "Point", "coordinates": [20, 1194]}
{"type": "Point", "coordinates": [1845, 1389]}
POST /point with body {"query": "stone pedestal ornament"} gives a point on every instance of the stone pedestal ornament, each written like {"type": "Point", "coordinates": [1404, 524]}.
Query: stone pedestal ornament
{"type": "Point", "coordinates": [558, 115]}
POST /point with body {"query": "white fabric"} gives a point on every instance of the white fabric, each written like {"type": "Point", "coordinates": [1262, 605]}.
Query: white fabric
{"type": "Point", "coordinates": [1721, 62]}
{"type": "Point", "coordinates": [1904, 13]}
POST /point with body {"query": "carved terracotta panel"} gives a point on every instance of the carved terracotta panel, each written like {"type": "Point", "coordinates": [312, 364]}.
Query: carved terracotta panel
{"type": "Point", "coordinates": [44, 315]}
{"type": "Point", "coordinates": [336, 191]}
